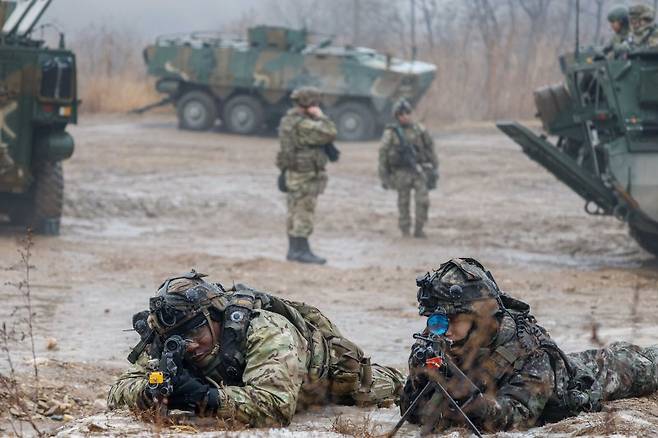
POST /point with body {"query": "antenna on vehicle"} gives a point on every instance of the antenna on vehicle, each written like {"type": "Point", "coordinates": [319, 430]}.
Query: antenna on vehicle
{"type": "Point", "coordinates": [577, 28]}
{"type": "Point", "coordinates": [414, 48]}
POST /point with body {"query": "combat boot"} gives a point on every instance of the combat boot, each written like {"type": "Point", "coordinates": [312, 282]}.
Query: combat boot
{"type": "Point", "coordinates": [405, 232]}
{"type": "Point", "coordinates": [419, 233]}
{"type": "Point", "coordinates": [293, 248]}
{"type": "Point", "coordinates": [305, 255]}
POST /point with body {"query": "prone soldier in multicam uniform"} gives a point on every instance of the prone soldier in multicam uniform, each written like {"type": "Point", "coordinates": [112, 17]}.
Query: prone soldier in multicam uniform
{"type": "Point", "coordinates": [499, 366]}
{"type": "Point", "coordinates": [244, 355]}
{"type": "Point", "coordinates": [407, 161]}
{"type": "Point", "coordinates": [306, 135]}
{"type": "Point", "coordinates": [644, 33]}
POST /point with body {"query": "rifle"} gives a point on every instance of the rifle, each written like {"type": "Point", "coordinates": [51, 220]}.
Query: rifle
{"type": "Point", "coordinates": [409, 154]}
{"type": "Point", "coordinates": [431, 359]}
{"type": "Point", "coordinates": [160, 382]}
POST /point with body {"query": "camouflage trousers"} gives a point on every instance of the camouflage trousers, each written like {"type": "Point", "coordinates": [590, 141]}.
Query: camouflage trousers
{"type": "Point", "coordinates": [621, 370]}
{"type": "Point", "coordinates": [302, 197]}
{"type": "Point", "coordinates": [404, 182]}
{"type": "Point", "coordinates": [354, 380]}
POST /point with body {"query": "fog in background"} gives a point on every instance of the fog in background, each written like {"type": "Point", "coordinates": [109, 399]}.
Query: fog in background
{"type": "Point", "coordinates": [490, 54]}
{"type": "Point", "coordinates": [148, 18]}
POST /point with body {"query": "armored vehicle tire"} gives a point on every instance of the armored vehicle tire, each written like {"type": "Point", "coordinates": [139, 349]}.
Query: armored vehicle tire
{"type": "Point", "coordinates": [647, 241]}
{"type": "Point", "coordinates": [197, 111]}
{"type": "Point", "coordinates": [243, 114]}
{"type": "Point", "coordinates": [354, 121]}
{"type": "Point", "coordinates": [43, 208]}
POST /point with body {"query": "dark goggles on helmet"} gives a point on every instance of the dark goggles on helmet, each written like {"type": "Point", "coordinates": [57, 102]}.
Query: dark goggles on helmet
{"type": "Point", "coordinates": [438, 323]}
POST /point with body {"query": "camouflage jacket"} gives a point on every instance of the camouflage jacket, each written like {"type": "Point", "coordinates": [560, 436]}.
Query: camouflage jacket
{"type": "Point", "coordinates": [527, 380]}
{"type": "Point", "coordinates": [618, 42]}
{"type": "Point", "coordinates": [645, 36]}
{"type": "Point", "coordinates": [302, 139]}
{"type": "Point", "coordinates": [391, 154]}
{"type": "Point", "coordinates": [278, 360]}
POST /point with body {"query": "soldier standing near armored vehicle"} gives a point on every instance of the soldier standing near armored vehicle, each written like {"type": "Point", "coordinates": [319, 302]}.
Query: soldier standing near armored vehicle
{"type": "Point", "coordinates": [408, 161]}
{"type": "Point", "coordinates": [306, 135]}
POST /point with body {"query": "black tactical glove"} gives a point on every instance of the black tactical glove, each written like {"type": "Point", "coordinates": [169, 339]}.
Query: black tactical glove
{"type": "Point", "coordinates": [281, 182]}
{"type": "Point", "coordinates": [432, 176]}
{"type": "Point", "coordinates": [332, 152]}
{"type": "Point", "coordinates": [191, 393]}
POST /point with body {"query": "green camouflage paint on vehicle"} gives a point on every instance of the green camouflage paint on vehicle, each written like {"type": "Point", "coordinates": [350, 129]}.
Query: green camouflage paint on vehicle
{"type": "Point", "coordinates": [247, 84]}
{"type": "Point", "coordinates": [605, 118]}
{"type": "Point", "coordinates": [38, 99]}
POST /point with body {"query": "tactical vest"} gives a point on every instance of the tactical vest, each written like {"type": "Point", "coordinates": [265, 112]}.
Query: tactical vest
{"type": "Point", "coordinates": [230, 362]}
{"type": "Point", "coordinates": [396, 153]}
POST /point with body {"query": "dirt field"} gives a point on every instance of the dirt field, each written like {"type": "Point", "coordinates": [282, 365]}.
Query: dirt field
{"type": "Point", "coordinates": [145, 200]}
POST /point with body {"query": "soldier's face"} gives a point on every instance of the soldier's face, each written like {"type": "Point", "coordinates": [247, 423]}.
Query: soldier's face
{"type": "Point", "coordinates": [615, 26]}
{"type": "Point", "coordinates": [460, 325]}
{"type": "Point", "coordinates": [636, 23]}
{"type": "Point", "coordinates": [201, 341]}
{"type": "Point", "coordinates": [404, 118]}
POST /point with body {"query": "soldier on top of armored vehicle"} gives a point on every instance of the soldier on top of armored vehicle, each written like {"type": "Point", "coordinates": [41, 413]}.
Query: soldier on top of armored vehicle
{"type": "Point", "coordinates": [643, 28]}
{"type": "Point", "coordinates": [604, 117]}
{"type": "Point", "coordinates": [618, 19]}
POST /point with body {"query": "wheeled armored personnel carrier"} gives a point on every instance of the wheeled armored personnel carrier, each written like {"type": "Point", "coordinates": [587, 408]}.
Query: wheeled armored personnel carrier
{"type": "Point", "coordinates": [37, 100]}
{"type": "Point", "coordinates": [605, 120]}
{"type": "Point", "coordinates": [247, 84]}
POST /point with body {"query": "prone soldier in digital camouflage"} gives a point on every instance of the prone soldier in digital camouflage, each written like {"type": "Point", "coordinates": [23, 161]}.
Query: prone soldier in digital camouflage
{"type": "Point", "coordinates": [618, 19]}
{"type": "Point", "coordinates": [407, 161]}
{"type": "Point", "coordinates": [500, 367]}
{"type": "Point", "coordinates": [243, 355]}
{"type": "Point", "coordinates": [643, 28]}
{"type": "Point", "coordinates": [306, 135]}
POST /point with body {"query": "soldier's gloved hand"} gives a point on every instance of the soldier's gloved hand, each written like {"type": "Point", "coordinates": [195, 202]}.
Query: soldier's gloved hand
{"type": "Point", "coordinates": [480, 408]}
{"type": "Point", "coordinates": [192, 393]}
{"type": "Point", "coordinates": [281, 182]}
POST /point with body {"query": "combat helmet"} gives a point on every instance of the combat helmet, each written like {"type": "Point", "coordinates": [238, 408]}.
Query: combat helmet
{"type": "Point", "coordinates": [306, 96]}
{"type": "Point", "coordinates": [185, 302]}
{"type": "Point", "coordinates": [618, 13]}
{"type": "Point", "coordinates": [402, 106]}
{"type": "Point", "coordinates": [454, 287]}
{"type": "Point", "coordinates": [641, 12]}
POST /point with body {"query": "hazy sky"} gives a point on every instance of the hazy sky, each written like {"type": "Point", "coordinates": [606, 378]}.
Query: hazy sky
{"type": "Point", "coordinates": [148, 17]}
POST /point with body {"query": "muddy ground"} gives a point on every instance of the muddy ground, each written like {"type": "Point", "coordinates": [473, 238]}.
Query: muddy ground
{"type": "Point", "coordinates": [145, 200]}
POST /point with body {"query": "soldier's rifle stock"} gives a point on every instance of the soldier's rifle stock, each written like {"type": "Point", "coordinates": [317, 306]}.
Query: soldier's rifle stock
{"type": "Point", "coordinates": [431, 359]}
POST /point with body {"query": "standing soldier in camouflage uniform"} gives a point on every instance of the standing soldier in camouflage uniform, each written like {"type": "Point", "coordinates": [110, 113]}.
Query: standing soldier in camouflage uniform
{"type": "Point", "coordinates": [618, 19]}
{"type": "Point", "coordinates": [642, 26]}
{"type": "Point", "coordinates": [500, 366]}
{"type": "Point", "coordinates": [407, 161]}
{"type": "Point", "coordinates": [244, 355]}
{"type": "Point", "coordinates": [306, 137]}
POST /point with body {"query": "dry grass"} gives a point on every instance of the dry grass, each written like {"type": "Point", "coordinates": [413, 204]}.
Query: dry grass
{"type": "Point", "coordinates": [118, 93]}
{"type": "Point", "coordinates": [365, 428]}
